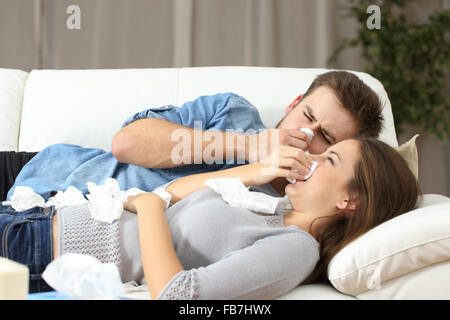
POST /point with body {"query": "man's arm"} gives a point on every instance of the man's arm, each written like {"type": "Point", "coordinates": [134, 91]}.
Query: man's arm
{"type": "Point", "coordinates": [159, 137]}
{"type": "Point", "coordinates": [157, 143]}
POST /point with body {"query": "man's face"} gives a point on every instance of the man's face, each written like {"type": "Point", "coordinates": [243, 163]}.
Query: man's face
{"type": "Point", "coordinates": [321, 112]}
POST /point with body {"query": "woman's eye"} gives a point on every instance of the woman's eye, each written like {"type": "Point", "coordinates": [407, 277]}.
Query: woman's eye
{"type": "Point", "coordinates": [331, 160]}
{"type": "Point", "coordinates": [307, 116]}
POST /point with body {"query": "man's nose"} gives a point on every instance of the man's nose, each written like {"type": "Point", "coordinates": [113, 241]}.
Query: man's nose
{"type": "Point", "coordinates": [315, 127]}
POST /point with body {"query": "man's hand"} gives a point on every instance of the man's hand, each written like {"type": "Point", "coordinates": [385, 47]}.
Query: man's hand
{"type": "Point", "coordinates": [271, 139]}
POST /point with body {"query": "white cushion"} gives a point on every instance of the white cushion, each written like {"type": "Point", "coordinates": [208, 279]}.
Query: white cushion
{"type": "Point", "coordinates": [12, 83]}
{"type": "Point", "coordinates": [429, 283]}
{"type": "Point", "coordinates": [315, 291]}
{"type": "Point", "coordinates": [86, 107]}
{"type": "Point", "coordinates": [409, 242]}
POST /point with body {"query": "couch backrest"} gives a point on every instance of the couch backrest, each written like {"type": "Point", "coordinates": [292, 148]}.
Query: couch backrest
{"type": "Point", "coordinates": [12, 85]}
{"type": "Point", "coordinates": [86, 107]}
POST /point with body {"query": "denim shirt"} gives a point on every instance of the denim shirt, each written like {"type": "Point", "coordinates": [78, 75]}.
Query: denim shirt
{"type": "Point", "coordinates": [59, 166]}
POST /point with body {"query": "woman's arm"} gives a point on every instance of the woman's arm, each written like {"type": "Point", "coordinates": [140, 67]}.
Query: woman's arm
{"type": "Point", "coordinates": [159, 258]}
{"type": "Point", "coordinates": [277, 164]}
{"type": "Point", "coordinates": [187, 185]}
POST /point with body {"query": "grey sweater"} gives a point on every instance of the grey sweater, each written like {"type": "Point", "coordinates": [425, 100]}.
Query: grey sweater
{"type": "Point", "coordinates": [226, 252]}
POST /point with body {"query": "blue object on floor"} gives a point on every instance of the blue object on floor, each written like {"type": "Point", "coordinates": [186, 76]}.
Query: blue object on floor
{"type": "Point", "coordinates": [49, 295]}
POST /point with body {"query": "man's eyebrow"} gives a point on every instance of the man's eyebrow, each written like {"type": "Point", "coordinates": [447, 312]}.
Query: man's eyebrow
{"type": "Point", "coordinates": [325, 131]}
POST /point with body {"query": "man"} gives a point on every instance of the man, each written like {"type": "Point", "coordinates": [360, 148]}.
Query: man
{"type": "Point", "coordinates": [338, 105]}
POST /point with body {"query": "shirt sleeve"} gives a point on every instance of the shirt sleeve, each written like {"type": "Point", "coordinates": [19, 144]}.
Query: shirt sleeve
{"type": "Point", "coordinates": [265, 270]}
{"type": "Point", "coordinates": [221, 111]}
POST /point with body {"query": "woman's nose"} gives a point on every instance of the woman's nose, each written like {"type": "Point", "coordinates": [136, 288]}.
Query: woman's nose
{"type": "Point", "coordinates": [319, 158]}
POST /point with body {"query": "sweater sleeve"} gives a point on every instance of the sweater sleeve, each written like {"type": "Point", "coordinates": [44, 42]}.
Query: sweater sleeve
{"type": "Point", "coordinates": [265, 270]}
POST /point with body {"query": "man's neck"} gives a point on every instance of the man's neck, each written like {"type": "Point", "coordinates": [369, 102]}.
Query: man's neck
{"type": "Point", "coordinates": [279, 184]}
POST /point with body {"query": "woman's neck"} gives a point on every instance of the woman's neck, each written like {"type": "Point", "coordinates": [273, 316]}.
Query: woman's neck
{"type": "Point", "coordinates": [302, 221]}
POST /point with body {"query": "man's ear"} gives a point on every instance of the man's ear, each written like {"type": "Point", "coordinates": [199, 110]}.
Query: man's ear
{"type": "Point", "coordinates": [289, 108]}
{"type": "Point", "coordinates": [293, 104]}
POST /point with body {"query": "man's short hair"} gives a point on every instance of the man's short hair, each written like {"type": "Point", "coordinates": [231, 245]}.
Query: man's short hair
{"type": "Point", "coordinates": [355, 96]}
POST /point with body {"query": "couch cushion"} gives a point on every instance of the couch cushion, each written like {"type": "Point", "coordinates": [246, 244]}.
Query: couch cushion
{"type": "Point", "coordinates": [12, 84]}
{"type": "Point", "coordinates": [86, 107]}
{"type": "Point", "coordinates": [408, 151]}
{"type": "Point", "coordinates": [429, 283]}
{"type": "Point", "coordinates": [315, 291]}
{"type": "Point", "coordinates": [404, 244]}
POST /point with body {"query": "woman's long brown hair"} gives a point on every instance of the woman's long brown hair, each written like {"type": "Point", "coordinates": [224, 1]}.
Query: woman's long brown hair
{"type": "Point", "coordinates": [384, 188]}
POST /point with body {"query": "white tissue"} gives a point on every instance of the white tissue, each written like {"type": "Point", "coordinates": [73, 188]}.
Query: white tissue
{"type": "Point", "coordinates": [163, 194]}
{"type": "Point", "coordinates": [308, 132]}
{"type": "Point", "coordinates": [83, 277]}
{"type": "Point", "coordinates": [105, 202]}
{"type": "Point", "coordinates": [24, 198]}
{"type": "Point", "coordinates": [236, 194]}
{"type": "Point", "coordinates": [310, 135]}
{"type": "Point", "coordinates": [71, 197]}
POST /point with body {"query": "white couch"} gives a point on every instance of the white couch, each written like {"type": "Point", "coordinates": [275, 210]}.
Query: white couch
{"type": "Point", "coordinates": [86, 107]}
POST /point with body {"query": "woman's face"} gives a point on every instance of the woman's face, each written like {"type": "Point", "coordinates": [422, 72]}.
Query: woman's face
{"type": "Point", "coordinates": [325, 192]}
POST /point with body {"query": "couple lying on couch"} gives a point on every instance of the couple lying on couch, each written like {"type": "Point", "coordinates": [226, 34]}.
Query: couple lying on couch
{"type": "Point", "coordinates": [199, 246]}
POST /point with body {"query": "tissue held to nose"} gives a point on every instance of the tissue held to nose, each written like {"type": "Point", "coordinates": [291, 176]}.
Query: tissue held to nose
{"type": "Point", "coordinates": [310, 135]}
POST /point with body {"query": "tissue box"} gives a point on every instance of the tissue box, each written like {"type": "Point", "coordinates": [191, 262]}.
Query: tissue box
{"type": "Point", "coordinates": [13, 280]}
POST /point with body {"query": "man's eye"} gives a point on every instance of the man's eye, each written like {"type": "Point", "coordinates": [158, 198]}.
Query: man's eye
{"type": "Point", "coordinates": [309, 118]}
{"type": "Point", "coordinates": [325, 138]}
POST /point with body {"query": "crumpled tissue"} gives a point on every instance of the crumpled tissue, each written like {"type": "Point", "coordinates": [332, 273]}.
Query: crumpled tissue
{"type": "Point", "coordinates": [236, 194]}
{"type": "Point", "coordinates": [105, 202]}
{"type": "Point", "coordinates": [71, 197]}
{"type": "Point", "coordinates": [24, 198]}
{"type": "Point", "coordinates": [83, 277]}
{"type": "Point", "coordinates": [310, 135]}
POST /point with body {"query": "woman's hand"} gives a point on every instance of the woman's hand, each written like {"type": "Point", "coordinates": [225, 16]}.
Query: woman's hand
{"type": "Point", "coordinates": [279, 163]}
{"type": "Point", "coordinates": [133, 201]}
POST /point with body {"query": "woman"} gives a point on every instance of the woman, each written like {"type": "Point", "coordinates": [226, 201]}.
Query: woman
{"type": "Point", "coordinates": [203, 248]}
